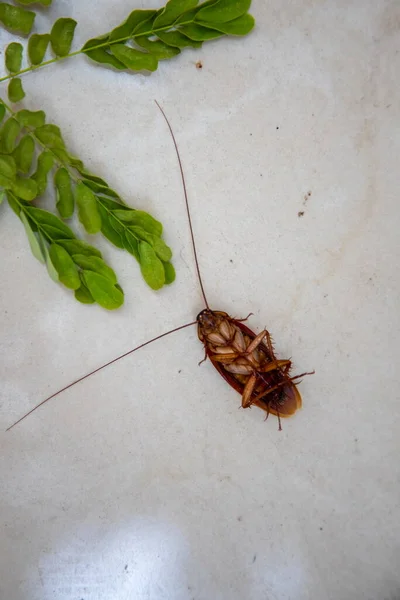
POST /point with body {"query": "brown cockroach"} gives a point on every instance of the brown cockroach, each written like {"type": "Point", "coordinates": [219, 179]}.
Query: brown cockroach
{"type": "Point", "coordinates": [245, 360]}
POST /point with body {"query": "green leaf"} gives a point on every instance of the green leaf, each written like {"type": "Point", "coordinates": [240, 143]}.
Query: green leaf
{"type": "Point", "coordinates": [96, 264]}
{"type": "Point", "coordinates": [8, 135]}
{"type": "Point", "coordinates": [100, 189]}
{"type": "Point", "coordinates": [42, 2]}
{"type": "Point", "coordinates": [160, 247]}
{"type": "Point", "coordinates": [157, 48]}
{"type": "Point", "coordinates": [88, 213]}
{"type": "Point", "coordinates": [102, 55]}
{"type": "Point", "coordinates": [45, 163]}
{"type": "Point", "coordinates": [26, 189]}
{"type": "Point", "coordinates": [151, 266]}
{"type": "Point", "coordinates": [15, 90]}
{"type": "Point", "coordinates": [49, 265]}
{"type": "Point", "coordinates": [2, 196]}
{"type": "Point", "coordinates": [18, 20]}
{"type": "Point", "coordinates": [103, 291]}
{"type": "Point", "coordinates": [107, 230]}
{"type": "Point", "coordinates": [2, 111]}
{"type": "Point", "coordinates": [240, 26]}
{"type": "Point", "coordinates": [29, 118]}
{"type": "Point", "coordinates": [126, 29]}
{"type": "Point", "coordinates": [13, 57]}
{"type": "Point", "coordinates": [79, 247]}
{"type": "Point", "coordinates": [65, 198]}
{"type": "Point", "coordinates": [173, 10]}
{"type": "Point", "coordinates": [8, 171]}
{"type": "Point", "coordinates": [83, 295]}
{"type": "Point", "coordinates": [131, 244]}
{"type": "Point", "coordinates": [37, 46]}
{"type": "Point", "coordinates": [177, 39]}
{"type": "Point", "coordinates": [199, 33]}
{"type": "Point", "coordinates": [64, 265]}
{"type": "Point", "coordinates": [50, 135]}
{"type": "Point", "coordinates": [169, 273]}
{"type": "Point", "coordinates": [223, 11]}
{"type": "Point", "coordinates": [32, 239]}
{"type": "Point", "coordinates": [61, 36]}
{"type": "Point", "coordinates": [140, 219]}
{"type": "Point", "coordinates": [23, 154]}
{"type": "Point", "coordinates": [51, 224]}
{"type": "Point", "coordinates": [134, 59]}
{"type": "Point", "coordinates": [146, 26]}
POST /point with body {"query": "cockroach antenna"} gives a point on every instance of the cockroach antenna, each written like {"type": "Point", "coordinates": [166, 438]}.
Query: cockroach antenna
{"type": "Point", "coordinates": [187, 204]}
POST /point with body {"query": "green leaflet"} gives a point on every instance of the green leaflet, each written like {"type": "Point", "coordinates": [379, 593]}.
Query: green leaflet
{"type": "Point", "coordinates": [61, 36]}
{"type": "Point", "coordinates": [67, 271]}
{"type": "Point", "coordinates": [13, 57]}
{"type": "Point", "coordinates": [23, 154]}
{"type": "Point", "coordinates": [151, 266]}
{"type": "Point", "coordinates": [32, 239]}
{"type": "Point", "coordinates": [37, 46]}
{"type": "Point", "coordinates": [42, 2]}
{"type": "Point", "coordinates": [134, 59]}
{"type": "Point", "coordinates": [177, 39]}
{"type": "Point", "coordinates": [140, 219]}
{"type": "Point", "coordinates": [173, 10]}
{"type": "Point", "coordinates": [160, 247]}
{"type": "Point", "coordinates": [126, 29]}
{"type": "Point", "coordinates": [50, 135]}
{"type": "Point", "coordinates": [45, 163]}
{"type": "Point", "coordinates": [83, 295]}
{"type": "Point", "coordinates": [102, 55]}
{"type": "Point", "coordinates": [88, 213]}
{"type": "Point", "coordinates": [26, 189]}
{"type": "Point", "coordinates": [16, 19]}
{"type": "Point", "coordinates": [96, 264]}
{"type": "Point", "coordinates": [169, 273]}
{"type": "Point", "coordinates": [50, 224]}
{"type": "Point", "coordinates": [65, 198]}
{"type": "Point", "coordinates": [8, 135]}
{"type": "Point", "coordinates": [2, 196]}
{"type": "Point", "coordinates": [99, 188]}
{"type": "Point", "coordinates": [223, 11]}
{"type": "Point", "coordinates": [157, 48]}
{"type": "Point", "coordinates": [2, 111]}
{"type": "Point", "coordinates": [49, 265]}
{"type": "Point", "coordinates": [8, 171]}
{"type": "Point", "coordinates": [106, 294]}
{"type": "Point", "coordinates": [28, 118]}
{"type": "Point", "coordinates": [199, 33]}
{"type": "Point", "coordinates": [15, 90]}
{"type": "Point", "coordinates": [240, 26]}
{"type": "Point", "coordinates": [79, 247]}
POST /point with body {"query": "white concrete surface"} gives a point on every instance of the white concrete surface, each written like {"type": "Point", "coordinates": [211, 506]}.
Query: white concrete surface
{"type": "Point", "coordinates": [146, 482]}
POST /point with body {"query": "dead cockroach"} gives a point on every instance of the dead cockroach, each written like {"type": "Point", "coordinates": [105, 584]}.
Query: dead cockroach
{"type": "Point", "coordinates": [245, 360]}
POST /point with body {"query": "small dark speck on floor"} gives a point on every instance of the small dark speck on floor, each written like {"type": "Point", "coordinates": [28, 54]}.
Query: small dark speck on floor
{"type": "Point", "coordinates": [321, 528]}
{"type": "Point", "coordinates": [239, 518]}
{"type": "Point", "coordinates": [126, 568]}
{"type": "Point", "coordinates": [180, 371]}
{"type": "Point", "coordinates": [251, 134]}
{"type": "Point", "coordinates": [277, 127]}
{"type": "Point", "coordinates": [230, 260]}
{"type": "Point", "coordinates": [356, 439]}
{"type": "Point", "coordinates": [199, 64]}
{"type": "Point", "coordinates": [300, 213]}
{"type": "Point", "coordinates": [254, 558]}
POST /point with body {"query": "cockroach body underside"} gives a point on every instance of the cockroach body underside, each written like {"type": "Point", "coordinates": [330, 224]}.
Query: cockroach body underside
{"type": "Point", "coordinates": [248, 363]}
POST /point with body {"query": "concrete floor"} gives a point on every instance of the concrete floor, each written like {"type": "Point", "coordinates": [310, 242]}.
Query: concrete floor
{"type": "Point", "coordinates": [146, 482]}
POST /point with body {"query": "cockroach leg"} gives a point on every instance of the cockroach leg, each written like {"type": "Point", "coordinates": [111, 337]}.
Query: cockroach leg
{"type": "Point", "coordinates": [243, 320]}
{"type": "Point", "coordinates": [273, 366]}
{"type": "Point", "coordinates": [204, 359]}
{"type": "Point", "coordinates": [248, 390]}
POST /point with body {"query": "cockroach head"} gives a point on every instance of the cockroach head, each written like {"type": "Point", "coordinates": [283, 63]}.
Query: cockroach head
{"type": "Point", "coordinates": [206, 319]}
